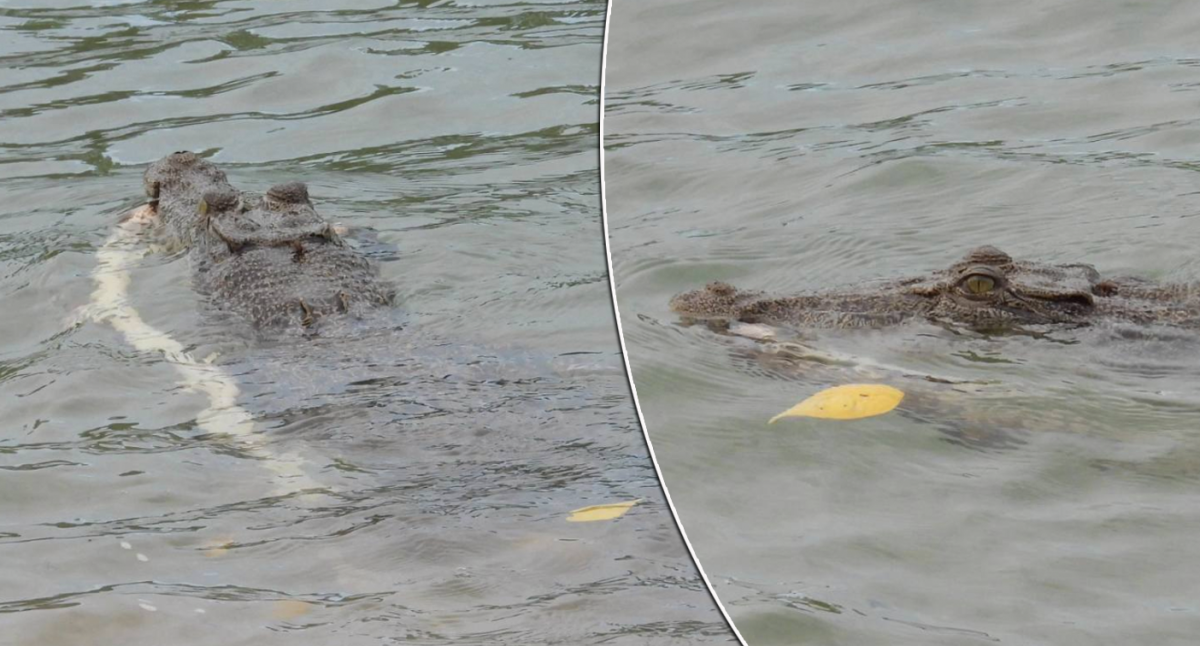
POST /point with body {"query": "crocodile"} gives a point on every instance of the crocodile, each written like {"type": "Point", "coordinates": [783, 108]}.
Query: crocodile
{"type": "Point", "coordinates": [273, 264]}
{"type": "Point", "coordinates": [986, 290]}
{"type": "Point", "coordinates": [271, 260]}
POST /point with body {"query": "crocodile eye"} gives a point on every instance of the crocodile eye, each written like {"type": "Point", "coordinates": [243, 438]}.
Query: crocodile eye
{"type": "Point", "coordinates": [979, 284]}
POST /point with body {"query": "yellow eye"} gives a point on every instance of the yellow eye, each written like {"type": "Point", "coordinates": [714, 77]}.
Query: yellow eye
{"type": "Point", "coordinates": [979, 284]}
{"type": "Point", "coordinates": [203, 207]}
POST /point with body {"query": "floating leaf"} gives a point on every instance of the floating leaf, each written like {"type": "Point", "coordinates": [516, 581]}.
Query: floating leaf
{"type": "Point", "coordinates": [217, 547]}
{"type": "Point", "coordinates": [601, 512]}
{"type": "Point", "coordinates": [290, 609]}
{"type": "Point", "coordinates": [851, 401]}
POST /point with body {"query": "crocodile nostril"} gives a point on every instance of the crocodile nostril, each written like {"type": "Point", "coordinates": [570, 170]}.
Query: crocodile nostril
{"type": "Point", "coordinates": [289, 193]}
{"type": "Point", "coordinates": [1105, 288]}
{"type": "Point", "coordinates": [719, 288]}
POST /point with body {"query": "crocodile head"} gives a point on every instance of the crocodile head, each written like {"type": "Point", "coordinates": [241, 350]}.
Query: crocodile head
{"type": "Point", "coordinates": [272, 260]}
{"type": "Point", "coordinates": [284, 216]}
{"type": "Point", "coordinates": [986, 289]}
{"type": "Point", "coordinates": [199, 206]}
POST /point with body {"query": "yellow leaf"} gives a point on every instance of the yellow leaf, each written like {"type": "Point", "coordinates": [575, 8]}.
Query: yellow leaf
{"type": "Point", "coordinates": [290, 609]}
{"type": "Point", "coordinates": [601, 512]}
{"type": "Point", "coordinates": [851, 401]}
{"type": "Point", "coordinates": [218, 547]}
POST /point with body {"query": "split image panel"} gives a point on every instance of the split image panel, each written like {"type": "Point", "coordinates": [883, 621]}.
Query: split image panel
{"type": "Point", "coordinates": [344, 373]}
{"type": "Point", "coordinates": [969, 227]}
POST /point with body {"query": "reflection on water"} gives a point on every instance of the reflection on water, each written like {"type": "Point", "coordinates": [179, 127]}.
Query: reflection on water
{"type": "Point", "coordinates": [438, 464]}
{"type": "Point", "coordinates": [1040, 489]}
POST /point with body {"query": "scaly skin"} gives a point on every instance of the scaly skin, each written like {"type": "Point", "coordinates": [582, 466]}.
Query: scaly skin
{"type": "Point", "coordinates": [274, 260]}
{"type": "Point", "coordinates": [987, 289]}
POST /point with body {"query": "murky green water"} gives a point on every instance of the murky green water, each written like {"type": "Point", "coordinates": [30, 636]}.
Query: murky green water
{"type": "Point", "coordinates": [791, 147]}
{"type": "Point", "coordinates": [443, 459]}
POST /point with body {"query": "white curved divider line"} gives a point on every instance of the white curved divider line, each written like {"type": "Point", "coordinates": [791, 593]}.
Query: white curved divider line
{"type": "Point", "coordinates": [612, 286]}
{"type": "Point", "coordinates": [223, 416]}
